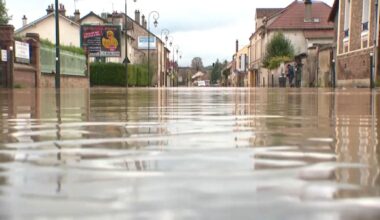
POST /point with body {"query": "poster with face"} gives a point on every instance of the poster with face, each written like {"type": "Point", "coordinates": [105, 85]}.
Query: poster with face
{"type": "Point", "coordinates": [101, 40]}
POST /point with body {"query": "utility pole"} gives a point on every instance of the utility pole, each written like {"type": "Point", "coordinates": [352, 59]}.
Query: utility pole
{"type": "Point", "coordinates": [57, 50]}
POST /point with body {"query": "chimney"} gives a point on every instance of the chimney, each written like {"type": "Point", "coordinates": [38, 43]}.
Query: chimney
{"type": "Point", "coordinates": [62, 10]}
{"type": "Point", "coordinates": [237, 46]}
{"type": "Point", "coordinates": [76, 15]}
{"type": "Point", "coordinates": [143, 21]}
{"type": "Point", "coordinates": [24, 21]}
{"type": "Point", "coordinates": [50, 9]}
{"type": "Point", "coordinates": [308, 11]}
{"type": "Point", "coordinates": [137, 16]}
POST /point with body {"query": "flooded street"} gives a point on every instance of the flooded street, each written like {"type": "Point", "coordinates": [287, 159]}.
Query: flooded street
{"type": "Point", "coordinates": [190, 154]}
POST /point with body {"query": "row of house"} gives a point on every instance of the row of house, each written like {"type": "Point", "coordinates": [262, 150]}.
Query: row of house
{"type": "Point", "coordinates": [70, 34]}
{"type": "Point", "coordinates": [334, 46]}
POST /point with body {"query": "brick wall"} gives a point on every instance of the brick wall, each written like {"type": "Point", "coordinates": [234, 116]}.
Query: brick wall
{"type": "Point", "coordinates": [24, 76]}
{"type": "Point", "coordinates": [48, 81]}
{"type": "Point", "coordinates": [354, 66]}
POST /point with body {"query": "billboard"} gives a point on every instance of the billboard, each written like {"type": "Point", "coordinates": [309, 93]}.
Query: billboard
{"type": "Point", "coordinates": [22, 53]}
{"type": "Point", "coordinates": [143, 43]}
{"type": "Point", "coordinates": [101, 40]}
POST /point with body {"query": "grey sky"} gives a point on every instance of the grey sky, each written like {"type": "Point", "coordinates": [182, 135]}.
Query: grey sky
{"type": "Point", "coordinates": [204, 28]}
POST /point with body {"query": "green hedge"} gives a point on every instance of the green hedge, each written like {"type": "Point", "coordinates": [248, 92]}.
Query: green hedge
{"type": "Point", "coordinates": [113, 74]}
{"type": "Point", "coordinates": [72, 49]}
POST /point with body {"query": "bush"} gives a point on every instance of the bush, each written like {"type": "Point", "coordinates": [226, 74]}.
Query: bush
{"type": "Point", "coordinates": [113, 74]}
{"type": "Point", "coordinates": [72, 49]}
{"type": "Point", "coordinates": [275, 62]}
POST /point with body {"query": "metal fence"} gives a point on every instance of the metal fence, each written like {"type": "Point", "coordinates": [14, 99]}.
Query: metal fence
{"type": "Point", "coordinates": [71, 63]}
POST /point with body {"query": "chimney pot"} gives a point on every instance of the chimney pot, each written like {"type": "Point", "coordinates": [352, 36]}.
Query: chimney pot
{"type": "Point", "coordinates": [24, 21]}
{"type": "Point", "coordinates": [308, 10]}
{"type": "Point", "coordinates": [143, 21]}
{"type": "Point", "coordinates": [76, 15]}
{"type": "Point", "coordinates": [137, 16]}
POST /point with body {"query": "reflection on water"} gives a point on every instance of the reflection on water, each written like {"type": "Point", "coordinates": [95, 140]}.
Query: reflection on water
{"type": "Point", "coordinates": [189, 154]}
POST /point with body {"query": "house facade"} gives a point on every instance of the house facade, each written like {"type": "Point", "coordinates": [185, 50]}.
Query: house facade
{"type": "Point", "coordinates": [70, 27]}
{"type": "Point", "coordinates": [356, 47]}
{"type": "Point", "coordinates": [304, 23]}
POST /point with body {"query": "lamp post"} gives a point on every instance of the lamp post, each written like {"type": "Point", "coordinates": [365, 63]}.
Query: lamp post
{"type": "Point", "coordinates": [57, 50]}
{"type": "Point", "coordinates": [126, 43]}
{"type": "Point", "coordinates": [179, 57]}
{"type": "Point", "coordinates": [170, 39]}
{"type": "Point", "coordinates": [165, 32]}
{"type": "Point", "coordinates": [155, 16]}
{"type": "Point", "coordinates": [175, 50]}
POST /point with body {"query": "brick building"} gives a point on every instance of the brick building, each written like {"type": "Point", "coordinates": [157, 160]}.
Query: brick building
{"type": "Point", "coordinates": [356, 31]}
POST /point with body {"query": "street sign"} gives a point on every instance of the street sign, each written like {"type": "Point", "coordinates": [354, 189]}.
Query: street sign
{"type": "Point", "coordinates": [4, 56]}
{"type": "Point", "coordinates": [143, 43]}
{"type": "Point", "coordinates": [22, 52]}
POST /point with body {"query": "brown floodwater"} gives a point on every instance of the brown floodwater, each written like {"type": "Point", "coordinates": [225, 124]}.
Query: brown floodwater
{"type": "Point", "coordinates": [208, 153]}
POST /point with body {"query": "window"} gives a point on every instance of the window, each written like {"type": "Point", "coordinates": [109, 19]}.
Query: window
{"type": "Point", "coordinates": [347, 11]}
{"type": "Point", "coordinates": [365, 15]}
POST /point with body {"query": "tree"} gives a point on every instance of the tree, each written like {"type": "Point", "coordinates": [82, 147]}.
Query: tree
{"type": "Point", "coordinates": [279, 49]}
{"type": "Point", "coordinates": [197, 64]}
{"type": "Point", "coordinates": [4, 18]}
{"type": "Point", "coordinates": [216, 72]}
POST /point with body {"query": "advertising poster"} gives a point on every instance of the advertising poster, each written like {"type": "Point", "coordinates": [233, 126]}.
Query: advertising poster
{"type": "Point", "coordinates": [101, 40]}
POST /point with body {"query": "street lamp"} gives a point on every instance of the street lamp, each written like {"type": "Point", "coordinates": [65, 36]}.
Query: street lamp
{"type": "Point", "coordinates": [175, 50]}
{"type": "Point", "coordinates": [155, 16]}
{"type": "Point", "coordinates": [126, 43]}
{"type": "Point", "coordinates": [179, 57]}
{"type": "Point", "coordinates": [165, 32]}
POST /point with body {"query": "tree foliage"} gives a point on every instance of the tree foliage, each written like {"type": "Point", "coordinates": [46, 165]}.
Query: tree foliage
{"type": "Point", "coordinates": [216, 72]}
{"type": "Point", "coordinates": [197, 64]}
{"type": "Point", "coordinates": [4, 17]}
{"type": "Point", "coordinates": [279, 49]}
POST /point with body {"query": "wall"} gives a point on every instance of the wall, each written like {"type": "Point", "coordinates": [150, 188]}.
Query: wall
{"type": "Point", "coordinates": [324, 67]}
{"type": "Point", "coordinates": [353, 69]}
{"type": "Point", "coordinates": [69, 31]}
{"type": "Point", "coordinates": [353, 66]}
{"type": "Point", "coordinates": [48, 81]}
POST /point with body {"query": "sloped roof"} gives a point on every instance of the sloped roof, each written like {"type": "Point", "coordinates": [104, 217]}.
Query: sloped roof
{"type": "Point", "coordinates": [267, 12]}
{"type": "Point", "coordinates": [42, 19]}
{"type": "Point", "coordinates": [293, 17]}
{"type": "Point", "coordinates": [94, 15]}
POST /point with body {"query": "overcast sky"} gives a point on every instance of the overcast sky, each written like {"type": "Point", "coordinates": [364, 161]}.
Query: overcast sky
{"type": "Point", "coordinates": [204, 28]}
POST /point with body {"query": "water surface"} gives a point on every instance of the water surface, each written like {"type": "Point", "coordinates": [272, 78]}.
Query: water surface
{"type": "Point", "coordinates": [189, 154]}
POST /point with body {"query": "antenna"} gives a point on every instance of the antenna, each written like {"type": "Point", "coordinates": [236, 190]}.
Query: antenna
{"type": "Point", "coordinates": [75, 4]}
